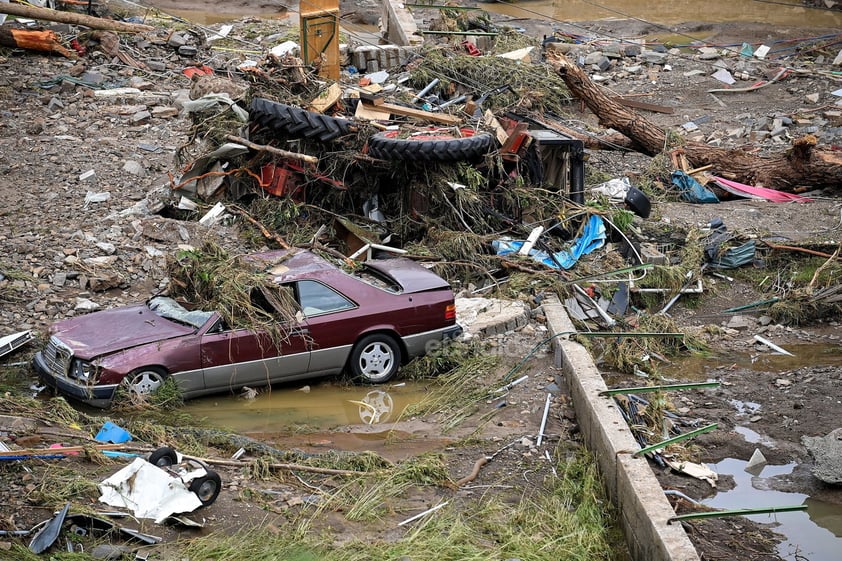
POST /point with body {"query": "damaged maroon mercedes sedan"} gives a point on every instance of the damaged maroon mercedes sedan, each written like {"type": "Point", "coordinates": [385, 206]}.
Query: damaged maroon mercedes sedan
{"type": "Point", "coordinates": [367, 323]}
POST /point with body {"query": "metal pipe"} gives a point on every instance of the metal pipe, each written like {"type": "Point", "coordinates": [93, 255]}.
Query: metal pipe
{"type": "Point", "coordinates": [544, 420]}
{"type": "Point", "coordinates": [426, 90]}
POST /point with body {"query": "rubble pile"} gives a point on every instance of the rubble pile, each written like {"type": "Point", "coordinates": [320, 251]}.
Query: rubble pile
{"type": "Point", "coordinates": [455, 152]}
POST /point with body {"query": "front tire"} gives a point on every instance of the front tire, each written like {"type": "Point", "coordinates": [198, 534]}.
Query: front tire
{"type": "Point", "coordinates": [146, 381]}
{"type": "Point", "coordinates": [375, 358]}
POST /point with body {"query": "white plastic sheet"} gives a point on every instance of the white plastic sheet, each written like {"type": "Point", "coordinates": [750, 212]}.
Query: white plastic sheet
{"type": "Point", "coordinates": [148, 491]}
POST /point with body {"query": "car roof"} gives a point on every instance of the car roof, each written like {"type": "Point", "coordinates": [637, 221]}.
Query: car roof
{"type": "Point", "coordinates": [287, 265]}
{"type": "Point", "coordinates": [290, 264]}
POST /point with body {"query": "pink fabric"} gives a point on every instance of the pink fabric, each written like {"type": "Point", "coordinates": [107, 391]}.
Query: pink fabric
{"type": "Point", "coordinates": [759, 192]}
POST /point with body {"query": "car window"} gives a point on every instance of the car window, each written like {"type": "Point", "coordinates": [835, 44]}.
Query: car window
{"type": "Point", "coordinates": [316, 298]}
{"type": "Point", "coordinates": [168, 308]}
{"type": "Point", "coordinates": [378, 280]}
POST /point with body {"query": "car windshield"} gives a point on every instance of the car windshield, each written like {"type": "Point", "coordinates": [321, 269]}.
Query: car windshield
{"type": "Point", "coordinates": [170, 309]}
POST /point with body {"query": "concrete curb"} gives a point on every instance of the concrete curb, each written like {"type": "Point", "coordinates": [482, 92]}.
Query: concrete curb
{"type": "Point", "coordinates": [644, 509]}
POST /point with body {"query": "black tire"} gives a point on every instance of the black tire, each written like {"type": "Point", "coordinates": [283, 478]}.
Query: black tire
{"type": "Point", "coordinates": [207, 487]}
{"type": "Point", "coordinates": [386, 145]}
{"type": "Point", "coordinates": [295, 122]}
{"type": "Point", "coordinates": [163, 457]}
{"type": "Point", "coordinates": [375, 359]}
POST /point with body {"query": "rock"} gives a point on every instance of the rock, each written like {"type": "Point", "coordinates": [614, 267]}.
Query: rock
{"type": "Point", "coordinates": [204, 85]}
{"type": "Point", "coordinates": [653, 57]}
{"type": "Point", "coordinates": [827, 453]}
{"type": "Point", "coordinates": [631, 49]}
{"type": "Point", "coordinates": [85, 305]}
{"type": "Point", "coordinates": [109, 552]}
{"type": "Point", "coordinates": [178, 40]}
{"type": "Point", "coordinates": [740, 323]}
{"type": "Point", "coordinates": [164, 112]}
{"type": "Point", "coordinates": [708, 53]}
{"type": "Point", "coordinates": [134, 168]}
{"type": "Point", "coordinates": [141, 117]}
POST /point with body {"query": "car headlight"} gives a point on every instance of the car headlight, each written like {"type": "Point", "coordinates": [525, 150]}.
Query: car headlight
{"type": "Point", "coordinates": [83, 370]}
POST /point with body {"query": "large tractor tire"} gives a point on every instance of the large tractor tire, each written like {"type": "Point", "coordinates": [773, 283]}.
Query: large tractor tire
{"type": "Point", "coordinates": [431, 146]}
{"type": "Point", "coordinates": [295, 122]}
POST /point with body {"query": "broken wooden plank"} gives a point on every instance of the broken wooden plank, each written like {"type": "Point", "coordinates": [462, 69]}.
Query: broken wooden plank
{"type": "Point", "coordinates": [371, 112]}
{"type": "Point", "coordinates": [326, 99]}
{"type": "Point", "coordinates": [73, 18]}
{"type": "Point", "coordinates": [490, 120]}
{"type": "Point", "coordinates": [442, 118]}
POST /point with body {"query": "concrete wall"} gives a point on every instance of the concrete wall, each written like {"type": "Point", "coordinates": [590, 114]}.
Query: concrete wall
{"type": "Point", "coordinates": [629, 480]}
{"type": "Point", "coordinates": [398, 25]}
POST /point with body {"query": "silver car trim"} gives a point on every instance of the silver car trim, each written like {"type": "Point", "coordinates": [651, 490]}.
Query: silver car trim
{"type": "Point", "coordinates": [416, 345]}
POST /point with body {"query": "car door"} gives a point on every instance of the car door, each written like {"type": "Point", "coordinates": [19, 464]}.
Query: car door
{"type": "Point", "coordinates": [330, 317]}
{"type": "Point", "coordinates": [233, 358]}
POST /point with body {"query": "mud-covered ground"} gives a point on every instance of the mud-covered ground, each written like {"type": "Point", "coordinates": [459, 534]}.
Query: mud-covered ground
{"type": "Point", "coordinates": [51, 238]}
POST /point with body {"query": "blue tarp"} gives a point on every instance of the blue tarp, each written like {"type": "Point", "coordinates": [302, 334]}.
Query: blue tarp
{"type": "Point", "coordinates": [691, 190]}
{"type": "Point", "coordinates": [592, 238]}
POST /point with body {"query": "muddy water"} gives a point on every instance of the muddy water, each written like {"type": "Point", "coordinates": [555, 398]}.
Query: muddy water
{"type": "Point", "coordinates": [697, 368]}
{"type": "Point", "coordinates": [815, 534]}
{"type": "Point", "coordinates": [312, 407]}
{"type": "Point", "coordinates": [667, 12]}
{"type": "Point", "coordinates": [304, 417]}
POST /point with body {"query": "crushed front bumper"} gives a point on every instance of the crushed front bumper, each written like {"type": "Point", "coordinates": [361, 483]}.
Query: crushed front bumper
{"type": "Point", "coordinates": [95, 396]}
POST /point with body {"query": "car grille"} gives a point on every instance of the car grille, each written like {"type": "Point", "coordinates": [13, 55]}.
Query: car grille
{"type": "Point", "coordinates": [57, 356]}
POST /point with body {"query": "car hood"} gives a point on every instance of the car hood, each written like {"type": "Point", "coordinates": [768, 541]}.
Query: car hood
{"type": "Point", "coordinates": [409, 274]}
{"type": "Point", "coordinates": [108, 331]}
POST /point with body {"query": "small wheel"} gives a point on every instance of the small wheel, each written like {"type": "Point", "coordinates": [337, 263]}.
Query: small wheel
{"type": "Point", "coordinates": [207, 487]}
{"type": "Point", "coordinates": [146, 381]}
{"type": "Point", "coordinates": [163, 457]}
{"type": "Point", "coordinates": [375, 358]}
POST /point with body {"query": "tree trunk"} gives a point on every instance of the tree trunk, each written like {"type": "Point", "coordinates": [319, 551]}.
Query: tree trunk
{"type": "Point", "coordinates": [804, 166]}
{"type": "Point", "coordinates": [71, 17]}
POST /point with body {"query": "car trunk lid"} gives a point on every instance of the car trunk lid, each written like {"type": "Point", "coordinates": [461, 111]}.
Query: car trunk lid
{"type": "Point", "coordinates": [409, 274]}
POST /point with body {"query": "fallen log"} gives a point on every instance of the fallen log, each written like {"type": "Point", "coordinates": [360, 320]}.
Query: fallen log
{"type": "Point", "coordinates": [806, 165]}
{"type": "Point", "coordinates": [93, 22]}
{"type": "Point", "coordinates": [42, 41]}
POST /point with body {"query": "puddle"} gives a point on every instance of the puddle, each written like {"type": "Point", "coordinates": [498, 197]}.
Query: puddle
{"type": "Point", "coordinates": [304, 418]}
{"type": "Point", "coordinates": [815, 534]}
{"type": "Point", "coordinates": [753, 437]}
{"type": "Point", "coordinates": [314, 407]}
{"type": "Point", "coordinates": [670, 12]}
{"type": "Point", "coordinates": [745, 407]}
{"type": "Point", "coordinates": [698, 368]}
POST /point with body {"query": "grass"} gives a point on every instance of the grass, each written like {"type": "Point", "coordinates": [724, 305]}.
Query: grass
{"type": "Point", "coordinates": [456, 392]}
{"type": "Point", "coordinates": [565, 517]}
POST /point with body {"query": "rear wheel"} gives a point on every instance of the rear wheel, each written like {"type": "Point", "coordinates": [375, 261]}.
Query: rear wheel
{"type": "Point", "coordinates": [207, 487]}
{"type": "Point", "coordinates": [376, 358]}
